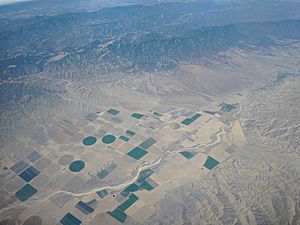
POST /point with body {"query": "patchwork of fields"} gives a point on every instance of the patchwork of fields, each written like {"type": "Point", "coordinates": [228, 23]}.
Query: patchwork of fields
{"type": "Point", "coordinates": [116, 164]}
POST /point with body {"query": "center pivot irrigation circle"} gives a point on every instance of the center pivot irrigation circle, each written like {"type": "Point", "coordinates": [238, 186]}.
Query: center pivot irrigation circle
{"type": "Point", "coordinates": [76, 166]}
{"type": "Point", "coordinates": [108, 139]}
{"type": "Point", "coordinates": [90, 140]}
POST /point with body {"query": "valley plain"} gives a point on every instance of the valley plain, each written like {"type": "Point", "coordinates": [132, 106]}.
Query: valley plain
{"type": "Point", "coordinates": [170, 113]}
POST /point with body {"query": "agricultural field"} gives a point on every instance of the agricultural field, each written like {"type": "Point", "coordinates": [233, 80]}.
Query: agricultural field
{"type": "Point", "coordinates": [116, 164]}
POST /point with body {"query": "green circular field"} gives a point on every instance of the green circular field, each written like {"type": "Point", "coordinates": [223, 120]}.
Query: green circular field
{"type": "Point", "coordinates": [90, 140]}
{"type": "Point", "coordinates": [76, 166]}
{"type": "Point", "coordinates": [108, 139]}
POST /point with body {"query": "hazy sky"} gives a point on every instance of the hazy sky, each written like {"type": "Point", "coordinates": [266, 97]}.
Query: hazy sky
{"type": "Point", "coordinates": [6, 2]}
